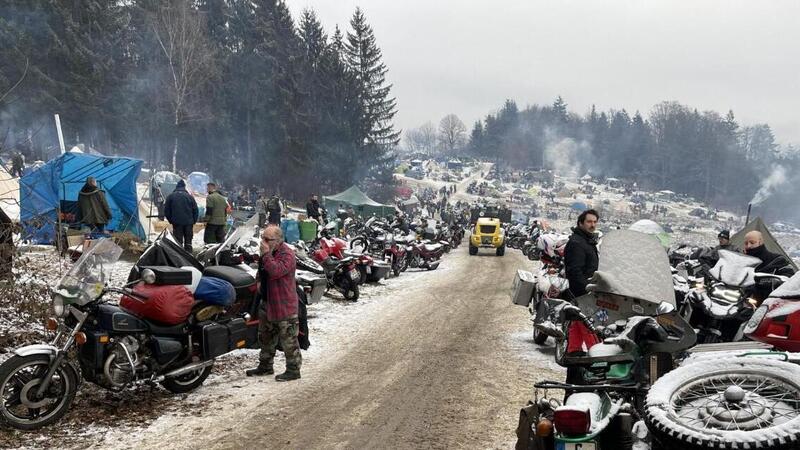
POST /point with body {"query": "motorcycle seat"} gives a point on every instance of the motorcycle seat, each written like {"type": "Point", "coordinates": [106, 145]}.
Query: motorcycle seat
{"type": "Point", "coordinates": [166, 330]}
{"type": "Point", "coordinates": [432, 247]}
{"type": "Point", "coordinates": [237, 277]}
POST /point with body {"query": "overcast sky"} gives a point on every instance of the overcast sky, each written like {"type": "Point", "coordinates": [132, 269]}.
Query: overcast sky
{"type": "Point", "coordinates": [467, 56]}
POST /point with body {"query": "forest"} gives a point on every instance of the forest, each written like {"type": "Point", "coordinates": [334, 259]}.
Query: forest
{"type": "Point", "coordinates": [236, 88]}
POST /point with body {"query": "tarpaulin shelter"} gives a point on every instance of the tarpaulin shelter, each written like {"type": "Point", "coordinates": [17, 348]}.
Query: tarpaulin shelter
{"type": "Point", "coordinates": [361, 203]}
{"type": "Point", "coordinates": [49, 194]}
{"type": "Point", "coordinates": [769, 240]}
{"type": "Point", "coordinates": [166, 181]}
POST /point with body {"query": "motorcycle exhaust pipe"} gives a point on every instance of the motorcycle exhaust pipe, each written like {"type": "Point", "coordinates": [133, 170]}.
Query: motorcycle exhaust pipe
{"type": "Point", "coordinates": [189, 368]}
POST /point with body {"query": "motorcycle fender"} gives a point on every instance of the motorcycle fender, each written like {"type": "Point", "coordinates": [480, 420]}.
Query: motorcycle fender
{"type": "Point", "coordinates": [36, 349]}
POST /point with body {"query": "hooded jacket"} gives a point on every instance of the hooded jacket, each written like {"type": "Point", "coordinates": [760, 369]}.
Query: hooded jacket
{"type": "Point", "coordinates": [93, 205]}
{"type": "Point", "coordinates": [580, 260]}
{"type": "Point", "coordinates": [772, 263]}
{"type": "Point", "coordinates": [180, 207]}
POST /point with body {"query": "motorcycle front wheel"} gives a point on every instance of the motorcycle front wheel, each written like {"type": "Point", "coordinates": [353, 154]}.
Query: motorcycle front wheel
{"type": "Point", "coordinates": [19, 378]}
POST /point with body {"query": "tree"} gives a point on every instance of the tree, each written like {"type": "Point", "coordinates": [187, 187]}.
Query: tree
{"type": "Point", "coordinates": [452, 133]}
{"type": "Point", "coordinates": [422, 139]}
{"type": "Point", "coordinates": [188, 60]}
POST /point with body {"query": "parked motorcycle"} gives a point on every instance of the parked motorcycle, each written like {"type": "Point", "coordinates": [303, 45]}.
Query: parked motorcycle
{"type": "Point", "coordinates": [107, 345]}
{"type": "Point", "coordinates": [619, 338]}
{"type": "Point", "coordinates": [341, 272]}
{"type": "Point", "coordinates": [720, 308]}
{"type": "Point", "coordinates": [739, 398]}
{"type": "Point", "coordinates": [422, 255]}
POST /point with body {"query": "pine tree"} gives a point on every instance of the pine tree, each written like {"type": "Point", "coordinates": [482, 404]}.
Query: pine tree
{"type": "Point", "coordinates": [375, 131]}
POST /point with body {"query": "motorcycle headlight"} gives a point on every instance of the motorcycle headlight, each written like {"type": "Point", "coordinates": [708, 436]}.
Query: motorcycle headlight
{"type": "Point", "coordinates": [59, 308]}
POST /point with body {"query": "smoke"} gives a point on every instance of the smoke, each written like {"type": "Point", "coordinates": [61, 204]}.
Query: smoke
{"type": "Point", "coordinates": [769, 185]}
{"type": "Point", "coordinates": [566, 155]}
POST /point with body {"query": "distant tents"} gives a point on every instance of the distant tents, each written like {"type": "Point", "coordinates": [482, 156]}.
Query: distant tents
{"type": "Point", "coordinates": [360, 202]}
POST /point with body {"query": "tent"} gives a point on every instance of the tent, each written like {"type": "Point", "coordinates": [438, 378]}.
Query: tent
{"type": "Point", "coordinates": [769, 241]}
{"type": "Point", "coordinates": [166, 181]}
{"type": "Point", "coordinates": [196, 184]}
{"type": "Point", "coordinates": [9, 194]}
{"type": "Point", "coordinates": [356, 198]}
{"type": "Point", "coordinates": [52, 190]}
{"type": "Point", "coordinates": [647, 226]}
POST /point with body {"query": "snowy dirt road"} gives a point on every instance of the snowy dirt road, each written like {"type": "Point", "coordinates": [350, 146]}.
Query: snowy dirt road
{"type": "Point", "coordinates": [431, 360]}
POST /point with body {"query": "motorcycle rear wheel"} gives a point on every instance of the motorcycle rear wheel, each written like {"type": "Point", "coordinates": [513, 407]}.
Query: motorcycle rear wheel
{"type": "Point", "coordinates": [188, 382]}
{"type": "Point", "coordinates": [19, 376]}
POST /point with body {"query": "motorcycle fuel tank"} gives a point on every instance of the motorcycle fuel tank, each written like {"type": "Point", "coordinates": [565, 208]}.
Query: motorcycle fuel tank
{"type": "Point", "coordinates": [113, 318]}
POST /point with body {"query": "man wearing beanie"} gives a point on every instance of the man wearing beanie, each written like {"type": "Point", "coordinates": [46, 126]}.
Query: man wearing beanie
{"type": "Point", "coordinates": [180, 209]}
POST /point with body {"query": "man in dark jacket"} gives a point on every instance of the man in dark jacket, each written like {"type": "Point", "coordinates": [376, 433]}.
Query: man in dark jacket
{"type": "Point", "coordinates": [93, 206]}
{"type": "Point", "coordinates": [180, 209]}
{"type": "Point", "coordinates": [312, 208]}
{"type": "Point", "coordinates": [274, 210]}
{"type": "Point", "coordinates": [278, 313]}
{"type": "Point", "coordinates": [580, 255]}
{"type": "Point", "coordinates": [771, 263]}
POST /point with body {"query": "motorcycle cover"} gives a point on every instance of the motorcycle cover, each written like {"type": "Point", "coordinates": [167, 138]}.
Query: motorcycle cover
{"type": "Point", "coordinates": [169, 305]}
{"type": "Point", "coordinates": [215, 291]}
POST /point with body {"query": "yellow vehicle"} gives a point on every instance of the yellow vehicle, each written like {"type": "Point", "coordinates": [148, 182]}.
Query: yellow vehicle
{"type": "Point", "coordinates": [487, 233]}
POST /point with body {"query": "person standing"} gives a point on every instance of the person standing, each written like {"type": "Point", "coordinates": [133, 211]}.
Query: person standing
{"type": "Point", "coordinates": [93, 206]}
{"type": "Point", "coordinates": [580, 255]}
{"type": "Point", "coordinates": [274, 210]}
{"type": "Point", "coordinates": [278, 312]}
{"type": "Point", "coordinates": [180, 210]}
{"type": "Point", "coordinates": [17, 165]}
{"type": "Point", "coordinates": [216, 216]}
{"type": "Point", "coordinates": [313, 209]}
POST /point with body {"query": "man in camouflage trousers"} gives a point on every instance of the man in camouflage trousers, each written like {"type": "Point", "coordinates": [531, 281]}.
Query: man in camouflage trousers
{"type": "Point", "coordinates": [278, 314]}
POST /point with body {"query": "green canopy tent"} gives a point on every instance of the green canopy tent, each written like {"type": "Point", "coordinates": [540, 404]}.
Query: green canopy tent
{"type": "Point", "coordinates": [769, 241]}
{"type": "Point", "coordinates": [355, 197]}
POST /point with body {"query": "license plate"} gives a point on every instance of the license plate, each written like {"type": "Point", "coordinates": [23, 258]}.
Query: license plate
{"type": "Point", "coordinates": [355, 274]}
{"type": "Point", "coordinates": [590, 445]}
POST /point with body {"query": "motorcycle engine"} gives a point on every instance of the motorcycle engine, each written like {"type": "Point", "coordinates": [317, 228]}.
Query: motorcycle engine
{"type": "Point", "coordinates": [121, 364]}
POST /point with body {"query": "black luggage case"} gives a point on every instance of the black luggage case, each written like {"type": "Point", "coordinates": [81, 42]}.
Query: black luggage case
{"type": "Point", "coordinates": [170, 276]}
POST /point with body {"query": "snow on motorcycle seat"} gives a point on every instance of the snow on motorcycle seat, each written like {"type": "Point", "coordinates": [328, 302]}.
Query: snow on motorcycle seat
{"type": "Point", "coordinates": [432, 247]}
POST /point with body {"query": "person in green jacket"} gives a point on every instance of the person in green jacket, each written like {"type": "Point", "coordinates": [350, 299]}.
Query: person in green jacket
{"type": "Point", "coordinates": [216, 216]}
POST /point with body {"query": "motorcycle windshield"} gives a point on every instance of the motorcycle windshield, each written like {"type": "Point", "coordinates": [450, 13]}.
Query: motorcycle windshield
{"type": "Point", "coordinates": [241, 235]}
{"type": "Point", "coordinates": [85, 280]}
{"type": "Point", "coordinates": [634, 265]}
{"type": "Point", "coordinates": [735, 269]}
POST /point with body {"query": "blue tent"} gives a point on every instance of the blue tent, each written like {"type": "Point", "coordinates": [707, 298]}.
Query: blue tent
{"type": "Point", "coordinates": [53, 188]}
{"type": "Point", "coordinates": [579, 206]}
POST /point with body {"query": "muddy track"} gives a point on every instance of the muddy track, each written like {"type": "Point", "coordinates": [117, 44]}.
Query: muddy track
{"type": "Point", "coordinates": [429, 366]}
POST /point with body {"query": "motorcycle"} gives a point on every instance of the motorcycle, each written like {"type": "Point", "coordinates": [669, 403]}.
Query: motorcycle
{"type": "Point", "coordinates": [619, 338]}
{"type": "Point", "coordinates": [394, 253]}
{"type": "Point", "coordinates": [107, 345]}
{"type": "Point", "coordinates": [744, 397]}
{"type": "Point", "coordinates": [341, 273]}
{"type": "Point", "coordinates": [720, 308]}
{"type": "Point", "coordinates": [422, 255]}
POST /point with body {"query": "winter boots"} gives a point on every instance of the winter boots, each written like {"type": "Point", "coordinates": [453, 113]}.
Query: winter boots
{"type": "Point", "coordinates": [262, 369]}
{"type": "Point", "coordinates": [289, 375]}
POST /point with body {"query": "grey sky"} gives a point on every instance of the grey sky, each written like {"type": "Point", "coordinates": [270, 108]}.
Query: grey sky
{"type": "Point", "coordinates": [467, 56]}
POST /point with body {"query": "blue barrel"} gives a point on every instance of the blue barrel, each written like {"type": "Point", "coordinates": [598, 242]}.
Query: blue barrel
{"type": "Point", "coordinates": [291, 230]}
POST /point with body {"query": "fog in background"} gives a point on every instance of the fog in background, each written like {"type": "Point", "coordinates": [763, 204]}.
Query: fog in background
{"type": "Point", "coordinates": [466, 56]}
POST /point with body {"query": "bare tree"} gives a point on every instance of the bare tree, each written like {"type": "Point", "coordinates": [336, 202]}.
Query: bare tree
{"type": "Point", "coordinates": [422, 139]}
{"type": "Point", "coordinates": [452, 133]}
{"type": "Point", "coordinates": [189, 62]}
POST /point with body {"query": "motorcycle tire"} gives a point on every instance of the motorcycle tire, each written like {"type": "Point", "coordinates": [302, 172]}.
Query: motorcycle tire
{"type": "Point", "coordinates": [361, 242]}
{"type": "Point", "coordinates": [63, 386]}
{"type": "Point", "coordinates": [473, 250]}
{"type": "Point", "coordinates": [187, 382]}
{"type": "Point", "coordinates": [706, 383]}
{"type": "Point", "coordinates": [501, 250]}
{"type": "Point", "coordinates": [397, 269]}
{"type": "Point", "coordinates": [539, 338]}
{"type": "Point", "coordinates": [351, 293]}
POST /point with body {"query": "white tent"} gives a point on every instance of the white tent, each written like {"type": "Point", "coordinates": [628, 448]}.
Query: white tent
{"type": "Point", "coordinates": [9, 194]}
